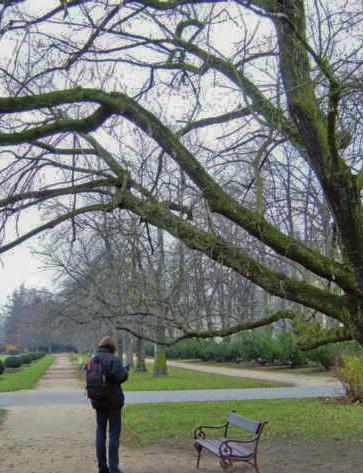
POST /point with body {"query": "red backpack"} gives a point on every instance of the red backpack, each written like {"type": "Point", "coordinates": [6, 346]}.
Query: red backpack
{"type": "Point", "coordinates": [97, 387]}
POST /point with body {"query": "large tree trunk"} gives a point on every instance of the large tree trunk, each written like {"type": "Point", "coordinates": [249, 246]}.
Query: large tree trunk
{"type": "Point", "coordinates": [127, 343]}
{"type": "Point", "coordinates": [160, 365]}
{"type": "Point", "coordinates": [119, 342]}
{"type": "Point", "coordinates": [140, 355]}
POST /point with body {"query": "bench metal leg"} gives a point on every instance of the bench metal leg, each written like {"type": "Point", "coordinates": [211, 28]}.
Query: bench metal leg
{"type": "Point", "coordinates": [256, 465]}
{"type": "Point", "coordinates": [225, 463]}
{"type": "Point", "coordinates": [199, 450]}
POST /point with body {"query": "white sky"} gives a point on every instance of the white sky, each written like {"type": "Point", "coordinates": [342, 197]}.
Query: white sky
{"type": "Point", "coordinates": [19, 266]}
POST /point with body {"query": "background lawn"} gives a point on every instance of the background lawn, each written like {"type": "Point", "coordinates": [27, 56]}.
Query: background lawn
{"type": "Point", "coordinates": [26, 376]}
{"type": "Point", "coordinates": [181, 379]}
{"type": "Point", "coordinates": [288, 418]}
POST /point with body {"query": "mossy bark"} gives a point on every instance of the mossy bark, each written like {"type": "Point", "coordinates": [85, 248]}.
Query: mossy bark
{"type": "Point", "coordinates": [119, 343]}
{"type": "Point", "coordinates": [160, 365]}
{"type": "Point", "coordinates": [140, 355]}
{"type": "Point", "coordinates": [127, 344]}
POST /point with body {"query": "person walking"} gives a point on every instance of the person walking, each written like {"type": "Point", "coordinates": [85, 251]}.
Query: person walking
{"type": "Point", "coordinates": [108, 405]}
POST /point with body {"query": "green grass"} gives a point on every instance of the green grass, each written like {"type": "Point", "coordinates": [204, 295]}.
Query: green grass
{"type": "Point", "coordinates": [288, 419]}
{"type": "Point", "coordinates": [181, 379]}
{"type": "Point", "coordinates": [25, 377]}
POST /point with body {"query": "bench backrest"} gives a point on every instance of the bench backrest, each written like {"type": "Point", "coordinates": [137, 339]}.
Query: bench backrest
{"type": "Point", "coordinates": [253, 426]}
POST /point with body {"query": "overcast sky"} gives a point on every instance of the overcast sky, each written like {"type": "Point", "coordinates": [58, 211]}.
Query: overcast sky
{"type": "Point", "coordinates": [20, 266]}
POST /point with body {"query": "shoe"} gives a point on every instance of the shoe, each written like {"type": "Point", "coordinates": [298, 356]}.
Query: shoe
{"type": "Point", "coordinates": [104, 470]}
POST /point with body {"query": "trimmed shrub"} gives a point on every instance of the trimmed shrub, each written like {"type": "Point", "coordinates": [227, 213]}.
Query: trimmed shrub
{"type": "Point", "coordinates": [327, 355]}
{"type": "Point", "coordinates": [290, 353]}
{"type": "Point", "coordinates": [324, 356]}
{"type": "Point", "coordinates": [149, 349]}
{"type": "Point", "coordinates": [26, 359]}
{"type": "Point", "coordinates": [185, 349]}
{"type": "Point", "coordinates": [2, 367]}
{"type": "Point", "coordinates": [37, 355]}
{"type": "Point", "coordinates": [12, 362]}
{"type": "Point", "coordinates": [349, 370]}
{"type": "Point", "coordinates": [268, 349]}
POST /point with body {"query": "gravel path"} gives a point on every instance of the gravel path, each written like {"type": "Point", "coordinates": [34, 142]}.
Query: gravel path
{"type": "Point", "coordinates": [49, 439]}
{"type": "Point", "coordinates": [60, 385]}
{"type": "Point", "coordinates": [275, 375]}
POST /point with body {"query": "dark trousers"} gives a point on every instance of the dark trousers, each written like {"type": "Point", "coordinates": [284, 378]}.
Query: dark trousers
{"type": "Point", "coordinates": [113, 418]}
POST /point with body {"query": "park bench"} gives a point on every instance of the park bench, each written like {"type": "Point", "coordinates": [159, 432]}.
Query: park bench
{"type": "Point", "coordinates": [230, 450]}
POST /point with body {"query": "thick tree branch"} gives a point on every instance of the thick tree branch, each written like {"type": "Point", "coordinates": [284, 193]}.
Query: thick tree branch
{"type": "Point", "coordinates": [84, 125]}
{"type": "Point", "coordinates": [334, 335]}
{"type": "Point", "coordinates": [92, 186]}
{"type": "Point", "coordinates": [226, 117]}
{"type": "Point", "coordinates": [224, 253]}
{"type": "Point", "coordinates": [218, 199]}
{"type": "Point", "coordinates": [249, 325]}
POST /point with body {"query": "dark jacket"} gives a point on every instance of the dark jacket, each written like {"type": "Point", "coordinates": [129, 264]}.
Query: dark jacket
{"type": "Point", "coordinates": [116, 374]}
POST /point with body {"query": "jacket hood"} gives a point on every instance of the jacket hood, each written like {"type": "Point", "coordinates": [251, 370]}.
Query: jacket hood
{"type": "Point", "coordinates": [103, 350]}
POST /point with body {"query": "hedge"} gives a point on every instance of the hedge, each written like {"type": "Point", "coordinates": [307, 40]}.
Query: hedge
{"type": "Point", "coordinates": [261, 348]}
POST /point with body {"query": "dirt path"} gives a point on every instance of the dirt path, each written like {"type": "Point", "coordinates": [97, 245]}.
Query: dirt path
{"type": "Point", "coordinates": [275, 375]}
{"type": "Point", "coordinates": [49, 439]}
{"type": "Point", "coordinates": [60, 439]}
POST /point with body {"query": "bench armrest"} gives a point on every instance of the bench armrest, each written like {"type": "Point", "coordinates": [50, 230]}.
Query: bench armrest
{"type": "Point", "coordinates": [199, 432]}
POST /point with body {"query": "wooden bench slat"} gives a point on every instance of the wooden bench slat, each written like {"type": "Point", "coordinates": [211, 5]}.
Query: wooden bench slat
{"type": "Point", "coordinates": [238, 450]}
{"type": "Point", "coordinates": [252, 426]}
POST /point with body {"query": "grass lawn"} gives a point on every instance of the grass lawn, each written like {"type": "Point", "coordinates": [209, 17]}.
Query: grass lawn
{"type": "Point", "coordinates": [26, 376]}
{"type": "Point", "coordinates": [181, 379]}
{"type": "Point", "coordinates": [288, 418]}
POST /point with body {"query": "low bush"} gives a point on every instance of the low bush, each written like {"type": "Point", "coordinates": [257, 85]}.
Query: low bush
{"type": "Point", "coordinates": [26, 359]}
{"type": "Point", "coordinates": [2, 367]}
{"type": "Point", "coordinates": [264, 348]}
{"type": "Point", "coordinates": [327, 356]}
{"type": "Point", "coordinates": [268, 349]}
{"type": "Point", "coordinates": [149, 349]}
{"type": "Point", "coordinates": [349, 370]}
{"type": "Point", "coordinates": [185, 349]}
{"type": "Point", "coordinates": [12, 362]}
{"type": "Point", "coordinates": [290, 353]}
{"type": "Point", "coordinates": [324, 356]}
{"type": "Point", "coordinates": [37, 355]}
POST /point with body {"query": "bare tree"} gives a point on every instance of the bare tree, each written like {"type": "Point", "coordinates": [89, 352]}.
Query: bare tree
{"type": "Point", "coordinates": [211, 111]}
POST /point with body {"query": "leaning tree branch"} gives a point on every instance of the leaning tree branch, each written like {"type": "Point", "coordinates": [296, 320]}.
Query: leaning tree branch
{"type": "Point", "coordinates": [223, 252]}
{"type": "Point", "coordinates": [249, 325]}
{"type": "Point", "coordinates": [219, 201]}
{"type": "Point", "coordinates": [91, 186]}
{"type": "Point", "coordinates": [334, 335]}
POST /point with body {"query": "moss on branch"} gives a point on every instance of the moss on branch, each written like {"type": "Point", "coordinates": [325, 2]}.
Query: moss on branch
{"type": "Point", "coordinates": [219, 201]}
{"type": "Point", "coordinates": [228, 255]}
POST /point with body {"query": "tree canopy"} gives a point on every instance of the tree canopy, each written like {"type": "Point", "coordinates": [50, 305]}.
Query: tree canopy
{"type": "Point", "coordinates": [234, 126]}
